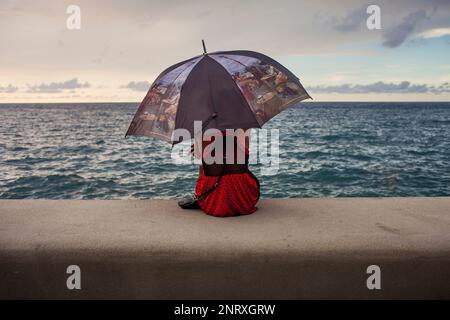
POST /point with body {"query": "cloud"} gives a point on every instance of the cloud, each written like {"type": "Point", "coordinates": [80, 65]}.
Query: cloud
{"type": "Point", "coordinates": [435, 33]}
{"type": "Point", "coordinates": [137, 85]}
{"type": "Point", "coordinates": [443, 88]}
{"type": "Point", "coordinates": [395, 36]}
{"type": "Point", "coordinates": [352, 21]}
{"type": "Point", "coordinates": [383, 87]}
{"type": "Point", "coordinates": [8, 89]}
{"type": "Point", "coordinates": [55, 87]}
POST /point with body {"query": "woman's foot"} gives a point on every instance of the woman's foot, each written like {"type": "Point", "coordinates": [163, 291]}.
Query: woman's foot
{"type": "Point", "coordinates": [188, 202]}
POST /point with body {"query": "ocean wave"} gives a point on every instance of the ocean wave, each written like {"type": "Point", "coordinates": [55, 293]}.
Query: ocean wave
{"type": "Point", "coordinates": [78, 151]}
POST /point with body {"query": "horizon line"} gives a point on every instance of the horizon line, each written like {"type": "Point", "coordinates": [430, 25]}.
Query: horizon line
{"type": "Point", "coordinates": [302, 102]}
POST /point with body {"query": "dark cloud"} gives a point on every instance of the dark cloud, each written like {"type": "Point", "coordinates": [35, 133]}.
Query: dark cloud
{"type": "Point", "coordinates": [8, 89]}
{"type": "Point", "coordinates": [352, 21]}
{"type": "Point", "coordinates": [55, 87]}
{"type": "Point", "coordinates": [443, 88]}
{"type": "Point", "coordinates": [392, 36]}
{"type": "Point", "coordinates": [395, 36]}
{"type": "Point", "coordinates": [137, 85]}
{"type": "Point", "coordinates": [382, 87]}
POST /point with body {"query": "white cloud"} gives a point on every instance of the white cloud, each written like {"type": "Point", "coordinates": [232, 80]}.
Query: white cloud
{"type": "Point", "coordinates": [56, 87]}
{"type": "Point", "coordinates": [137, 85]}
{"type": "Point", "coordinates": [382, 87]}
{"type": "Point", "coordinates": [435, 33]}
{"type": "Point", "coordinates": [8, 89]}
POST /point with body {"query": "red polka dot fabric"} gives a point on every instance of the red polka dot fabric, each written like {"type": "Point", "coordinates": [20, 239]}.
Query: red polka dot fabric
{"type": "Point", "coordinates": [235, 195]}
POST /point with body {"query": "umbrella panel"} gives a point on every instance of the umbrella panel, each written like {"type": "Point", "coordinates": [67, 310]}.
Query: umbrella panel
{"type": "Point", "coordinates": [267, 90]}
{"type": "Point", "coordinates": [156, 113]}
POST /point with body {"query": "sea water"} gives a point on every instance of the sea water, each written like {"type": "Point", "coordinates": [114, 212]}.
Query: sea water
{"type": "Point", "coordinates": [327, 149]}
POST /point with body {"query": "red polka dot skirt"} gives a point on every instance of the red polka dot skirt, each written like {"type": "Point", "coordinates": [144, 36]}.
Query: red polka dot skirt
{"type": "Point", "coordinates": [235, 195]}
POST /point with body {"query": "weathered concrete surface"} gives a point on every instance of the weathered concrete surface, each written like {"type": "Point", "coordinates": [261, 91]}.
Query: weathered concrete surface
{"type": "Point", "coordinates": [289, 249]}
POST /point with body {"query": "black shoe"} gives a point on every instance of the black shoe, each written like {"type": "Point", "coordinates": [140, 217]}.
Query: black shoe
{"type": "Point", "coordinates": [188, 202]}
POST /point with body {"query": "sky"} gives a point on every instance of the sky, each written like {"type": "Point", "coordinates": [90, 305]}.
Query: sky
{"type": "Point", "coordinates": [122, 46]}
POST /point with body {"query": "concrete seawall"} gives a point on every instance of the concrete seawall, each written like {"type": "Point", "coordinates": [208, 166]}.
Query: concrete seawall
{"type": "Point", "coordinates": [288, 249]}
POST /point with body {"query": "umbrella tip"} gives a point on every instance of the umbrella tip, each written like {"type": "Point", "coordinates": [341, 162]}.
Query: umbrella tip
{"type": "Point", "coordinates": [204, 46]}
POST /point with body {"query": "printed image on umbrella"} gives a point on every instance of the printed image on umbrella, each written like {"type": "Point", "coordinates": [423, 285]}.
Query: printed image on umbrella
{"type": "Point", "coordinates": [224, 90]}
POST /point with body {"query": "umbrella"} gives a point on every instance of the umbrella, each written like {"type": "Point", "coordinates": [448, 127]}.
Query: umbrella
{"type": "Point", "coordinates": [224, 90]}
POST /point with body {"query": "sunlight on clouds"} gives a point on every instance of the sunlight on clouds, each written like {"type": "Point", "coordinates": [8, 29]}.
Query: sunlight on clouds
{"type": "Point", "coordinates": [123, 45]}
{"type": "Point", "coordinates": [435, 33]}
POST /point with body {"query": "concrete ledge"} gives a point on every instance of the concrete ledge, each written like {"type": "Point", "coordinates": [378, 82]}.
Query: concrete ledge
{"type": "Point", "coordinates": [289, 249]}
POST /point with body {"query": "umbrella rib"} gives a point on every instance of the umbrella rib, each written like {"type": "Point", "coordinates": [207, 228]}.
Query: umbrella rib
{"type": "Point", "coordinates": [237, 61]}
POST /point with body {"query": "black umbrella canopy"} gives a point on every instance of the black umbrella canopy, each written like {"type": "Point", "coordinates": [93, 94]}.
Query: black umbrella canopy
{"type": "Point", "coordinates": [225, 90]}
